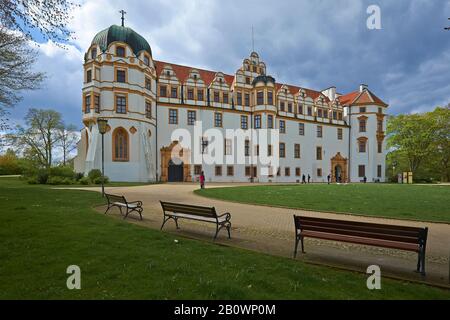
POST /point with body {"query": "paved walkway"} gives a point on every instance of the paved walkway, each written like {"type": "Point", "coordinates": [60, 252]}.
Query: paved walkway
{"type": "Point", "coordinates": [271, 230]}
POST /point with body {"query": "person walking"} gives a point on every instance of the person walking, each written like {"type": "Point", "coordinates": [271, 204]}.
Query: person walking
{"type": "Point", "coordinates": [202, 180]}
{"type": "Point", "coordinates": [329, 178]}
{"type": "Point", "coordinates": [309, 178]}
{"type": "Point", "coordinates": [303, 179]}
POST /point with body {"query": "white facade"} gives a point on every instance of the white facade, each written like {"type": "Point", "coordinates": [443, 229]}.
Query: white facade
{"type": "Point", "coordinates": [124, 85]}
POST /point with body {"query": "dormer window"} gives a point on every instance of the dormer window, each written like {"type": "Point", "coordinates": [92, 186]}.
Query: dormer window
{"type": "Point", "coordinates": [120, 51]}
{"type": "Point", "coordinates": [195, 77]}
{"type": "Point", "coordinates": [146, 61]}
{"type": "Point", "coordinates": [94, 53]}
{"type": "Point", "coordinates": [168, 73]}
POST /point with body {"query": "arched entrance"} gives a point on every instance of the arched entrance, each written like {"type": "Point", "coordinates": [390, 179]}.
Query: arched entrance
{"type": "Point", "coordinates": [339, 168]}
{"type": "Point", "coordinates": [175, 172]}
{"type": "Point", "coordinates": [338, 173]}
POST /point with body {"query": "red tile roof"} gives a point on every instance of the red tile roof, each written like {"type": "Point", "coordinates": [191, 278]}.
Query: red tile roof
{"type": "Point", "coordinates": [357, 97]}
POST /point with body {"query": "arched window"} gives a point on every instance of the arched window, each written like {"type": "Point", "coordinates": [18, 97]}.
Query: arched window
{"type": "Point", "coordinates": [120, 145]}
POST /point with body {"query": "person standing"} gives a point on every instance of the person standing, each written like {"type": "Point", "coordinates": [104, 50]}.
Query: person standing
{"type": "Point", "coordinates": [329, 178]}
{"type": "Point", "coordinates": [202, 180]}
{"type": "Point", "coordinates": [303, 179]}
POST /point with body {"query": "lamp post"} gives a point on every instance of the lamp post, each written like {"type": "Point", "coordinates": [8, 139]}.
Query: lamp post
{"type": "Point", "coordinates": [102, 128]}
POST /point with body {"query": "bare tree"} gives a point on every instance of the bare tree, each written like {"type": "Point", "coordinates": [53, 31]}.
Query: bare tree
{"type": "Point", "coordinates": [67, 140]}
{"type": "Point", "coordinates": [16, 60]}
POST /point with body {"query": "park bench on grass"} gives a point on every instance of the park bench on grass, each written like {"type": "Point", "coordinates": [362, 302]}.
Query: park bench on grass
{"type": "Point", "coordinates": [120, 202]}
{"type": "Point", "coordinates": [177, 211]}
{"type": "Point", "coordinates": [381, 235]}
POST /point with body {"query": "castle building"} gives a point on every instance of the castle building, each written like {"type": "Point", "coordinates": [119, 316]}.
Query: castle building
{"type": "Point", "coordinates": [321, 133]}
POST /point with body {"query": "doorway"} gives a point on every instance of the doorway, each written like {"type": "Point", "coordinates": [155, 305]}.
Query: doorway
{"type": "Point", "coordinates": [176, 172]}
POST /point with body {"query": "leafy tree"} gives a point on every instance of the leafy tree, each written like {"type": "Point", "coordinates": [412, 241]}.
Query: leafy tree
{"type": "Point", "coordinates": [9, 163]}
{"type": "Point", "coordinates": [68, 138]}
{"type": "Point", "coordinates": [441, 141]}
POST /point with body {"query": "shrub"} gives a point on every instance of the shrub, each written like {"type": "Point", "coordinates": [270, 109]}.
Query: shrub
{"type": "Point", "coordinates": [55, 180]}
{"type": "Point", "coordinates": [94, 174]}
{"type": "Point", "coordinates": [42, 176]}
{"type": "Point", "coordinates": [78, 176]}
{"type": "Point", "coordinates": [62, 171]}
{"type": "Point", "coordinates": [32, 180]}
{"type": "Point", "coordinates": [67, 181]}
{"type": "Point", "coordinates": [84, 181]}
{"type": "Point", "coordinates": [99, 180]}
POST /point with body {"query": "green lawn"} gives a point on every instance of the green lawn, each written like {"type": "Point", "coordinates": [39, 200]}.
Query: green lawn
{"type": "Point", "coordinates": [424, 203]}
{"type": "Point", "coordinates": [43, 231]}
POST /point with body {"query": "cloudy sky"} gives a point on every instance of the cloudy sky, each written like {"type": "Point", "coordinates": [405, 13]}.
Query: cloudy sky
{"type": "Point", "coordinates": [315, 44]}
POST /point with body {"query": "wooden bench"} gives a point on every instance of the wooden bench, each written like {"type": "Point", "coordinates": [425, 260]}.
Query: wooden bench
{"type": "Point", "coordinates": [177, 211]}
{"type": "Point", "coordinates": [381, 235]}
{"type": "Point", "coordinates": [120, 202]}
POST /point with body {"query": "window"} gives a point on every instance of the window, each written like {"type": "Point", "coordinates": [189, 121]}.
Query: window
{"type": "Point", "coordinates": [218, 119]}
{"type": "Point", "coordinates": [244, 122]}
{"type": "Point", "coordinates": [148, 109]}
{"type": "Point", "coordinates": [319, 113]}
{"type": "Point", "coordinates": [260, 98]}
{"type": "Point", "coordinates": [319, 131]}
{"type": "Point", "coordinates": [163, 91]}
{"type": "Point", "coordinates": [300, 109]}
{"type": "Point", "coordinates": [301, 129]}
{"type": "Point", "coordinates": [269, 150]}
{"type": "Point", "coordinates": [205, 143]}
{"type": "Point", "coordinates": [120, 51]}
{"type": "Point", "coordinates": [380, 146]}
{"type": "Point", "coordinates": [247, 100]}
{"type": "Point", "coordinates": [298, 172]}
{"type": "Point", "coordinates": [380, 110]}
{"type": "Point", "coordinates": [248, 171]}
{"type": "Point", "coordinates": [88, 76]}
{"type": "Point", "coordinates": [282, 150]}
{"type": "Point", "coordinates": [270, 98]}
{"type": "Point", "coordinates": [325, 114]}
{"type": "Point", "coordinates": [121, 76]}
{"type": "Point", "coordinates": [121, 104]}
{"type": "Point", "coordinates": [239, 99]}
{"type": "Point", "coordinates": [192, 117]}
{"type": "Point", "coordinates": [334, 115]}
{"type": "Point", "coordinates": [287, 171]}
{"type": "Point", "coordinates": [340, 116]}
{"type": "Point", "coordinates": [362, 125]}
{"type": "Point", "coordinates": [269, 121]}
{"type": "Point", "coordinates": [362, 109]}
{"type": "Point", "coordinates": [290, 107]}
{"type": "Point", "coordinates": [148, 84]}
{"type": "Point", "coordinates": [174, 92]}
{"type": "Point", "coordinates": [380, 125]}
{"type": "Point", "coordinates": [282, 126]}
{"type": "Point", "coordinates": [258, 121]}
{"type": "Point", "coordinates": [379, 170]}
{"type": "Point", "coordinates": [282, 106]}
{"type": "Point", "coordinates": [319, 172]}
{"type": "Point", "coordinates": [318, 153]}
{"type": "Point", "coordinates": [120, 145]}
{"type": "Point", "coordinates": [228, 147]}
{"type": "Point", "coordinates": [94, 53]}
{"type": "Point", "coordinates": [230, 171]}
{"type": "Point", "coordinates": [97, 103]}
{"type": "Point", "coordinates": [173, 116]}
{"type": "Point", "coordinates": [309, 111]}
{"type": "Point", "coordinates": [247, 80]}
{"type": "Point", "coordinates": [87, 104]}
{"type": "Point", "coordinates": [218, 171]}
{"type": "Point", "coordinates": [361, 171]}
{"type": "Point", "coordinates": [225, 97]}
{"type": "Point", "coordinates": [197, 170]}
{"type": "Point", "coordinates": [146, 61]}
{"type": "Point", "coordinates": [257, 150]}
{"type": "Point", "coordinates": [339, 133]}
{"type": "Point", "coordinates": [247, 148]}
{"type": "Point", "coordinates": [362, 146]}
{"type": "Point", "coordinates": [190, 94]}
{"type": "Point", "coordinates": [297, 151]}
{"type": "Point", "coordinates": [254, 68]}
{"type": "Point", "coordinates": [216, 96]}
{"type": "Point", "coordinates": [200, 95]}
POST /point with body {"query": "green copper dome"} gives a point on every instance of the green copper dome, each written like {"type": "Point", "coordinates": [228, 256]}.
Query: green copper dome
{"type": "Point", "coordinates": [123, 34]}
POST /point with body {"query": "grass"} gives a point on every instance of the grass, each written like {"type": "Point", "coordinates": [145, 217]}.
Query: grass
{"type": "Point", "coordinates": [424, 203]}
{"type": "Point", "coordinates": [43, 231]}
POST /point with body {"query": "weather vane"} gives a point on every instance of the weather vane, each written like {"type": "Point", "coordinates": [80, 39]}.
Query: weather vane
{"type": "Point", "coordinates": [123, 17]}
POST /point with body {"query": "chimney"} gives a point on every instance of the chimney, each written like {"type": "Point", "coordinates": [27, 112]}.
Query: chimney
{"type": "Point", "coordinates": [362, 87]}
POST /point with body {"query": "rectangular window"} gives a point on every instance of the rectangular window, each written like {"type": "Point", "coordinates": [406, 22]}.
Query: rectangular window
{"type": "Point", "coordinates": [319, 131]}
{"type": "Point", "coordinates": [218, 119]}
{"type": "Point", "coordinates": [290, 107]}
{"type": "Point", "coordinates": [362, 125]}
{"type": "Point", "coordinates": [297, 151]}
{"type": "Point", "coordinates": [190, 94]}
{"type": "Point", "coordinates": [362, 146]}
{"type": "Point", "coordinates": [94, 53]}
{"type": "Point", "coordinates": [318, 153]}
{"type": "Point", "coordinates": [380, 125]}
{"type": "Point", "coordinates": [247, 148]}
{"type": "Point", "coordinates": [319, 113]}
{"type": "Point", "coordinates": [146, 61]}
{"type": "Point", "coordinates": [148, 84]}
{"type": "Point", "coordinates": [216, 96]}
{"type": "Point", "coordinates": [269, 150]}
{"type": "Point", "coordinates": [244, 122]}
{"type": "Point", "coordinates": [239, 99]}
{"type": "Point", "coordinates": [89, 76]}
{"type": "Point", "coordinates": [287, 171]}
{"type": "Point", "coordinates": [225, 97]}
{"type": "Point", "coordinates": [258, 121]}
{"type": "Point", "coordinates": [282, 126]}
{"type": "Point", "coordinates": [309, 111]}
{"type": "Point", "coordinates": [87, 104]}
{"type": "Point", "coordinates": [282, 106]}
{"type": "Point", "coordinates": [270, 98]}
{"type": "Point", "coordinates": [269, 121]}
{"type": "Point", "coordinates": [325, 114]}
{"type": "Point", "coordinates": [120, 51]}
{"type": "Point", "coordinates": [218, 171]}
{"type": "Point", "coordinates": [228, 147]}
{"type": "Point", "coordinates": [248, 171]}
{"type": "Point", "coordinates": [173, 116]}
{"type": "Point", "coordinates": [301, 129]}
{"type": "Point", "coordinates": [334, 115]}
{"type": "Point", "coordinates": [319, 172]}
{"type": "Point", "coordinates": [298, 172]}
{"type": "Point", "coordinates": [247, 80]}
{"type": "Point", "coordinates": [192, 117]}
{"type": "Point", "coordinates": [247, 100]}
{"type": "Point", "coordinates": [340, 116]}
{"type": "Point", "coordinates": [300, 109]}
{"type": "Point", "coordinates": [121, 104]}
{"type": "Point", "coordinates": [380, 147]}
{"type": "Point", "coordinates": [379, 171]}
{"type": "Point", "coordinates": [230, 171]}
{"type": "Point", "coordinates": [339, 133]}
{"type": "Point", "coordinates": [174, 92]}
{"type": "Point", "coordinates": [148, 109]}
{"type": "Point", "coordinates": [260, 98]}
{"type": "Point", "coordinates": [205, 143]}
{"type": "Point", "coordinates": [97, 103]}
{"type": "Point", "coordinates": [282, 150]}
{"type": "Point", "coordinates": [361, 171]}
{"type": "Point", "coordinates": [200, 95]}
{"type": "Point", "coordinates": [197, 170]}
{"type": "Point", "coordinates": [163, 91]}
{"type": "Point", "coordinates": [362, 109]}
{"type": "Point", "coordinates": [121, 76]}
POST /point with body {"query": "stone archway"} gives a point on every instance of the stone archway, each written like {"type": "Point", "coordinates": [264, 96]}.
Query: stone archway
{"type": "Point", "coordinates": [174, 153]}
{"type": "Point", "coordinates": [339, 165]}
